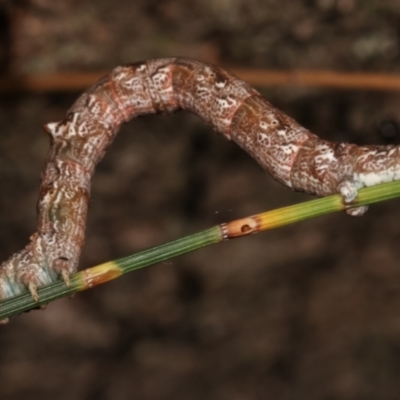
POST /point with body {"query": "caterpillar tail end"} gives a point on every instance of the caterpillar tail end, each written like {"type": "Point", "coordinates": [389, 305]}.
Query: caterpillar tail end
{"type": "Point", "coordinates": [357, 211]}
{"type": "Point", "coordinates": [348, 189]}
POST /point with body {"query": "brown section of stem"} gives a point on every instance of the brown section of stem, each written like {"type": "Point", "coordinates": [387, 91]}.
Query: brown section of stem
{"type": "Point", "coordinates": [76, 81]}
{"type": "Point", "coordinates": [241, 227]}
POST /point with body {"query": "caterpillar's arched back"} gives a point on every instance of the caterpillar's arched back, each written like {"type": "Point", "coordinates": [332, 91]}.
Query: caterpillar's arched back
{"type": "Point", "coordinates": [291, 154]}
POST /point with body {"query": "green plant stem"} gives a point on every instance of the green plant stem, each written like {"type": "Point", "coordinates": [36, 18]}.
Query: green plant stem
{"type": "Point", "coordinates": [102, 273]}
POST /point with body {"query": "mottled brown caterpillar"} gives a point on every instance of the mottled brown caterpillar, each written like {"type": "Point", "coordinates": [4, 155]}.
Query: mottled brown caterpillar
{"type": "Point", "coordinates": [292, 155]}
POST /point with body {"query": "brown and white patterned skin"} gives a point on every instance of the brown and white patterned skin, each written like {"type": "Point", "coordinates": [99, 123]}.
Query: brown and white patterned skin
{"type": "Point", "coordinates": [292, 154]}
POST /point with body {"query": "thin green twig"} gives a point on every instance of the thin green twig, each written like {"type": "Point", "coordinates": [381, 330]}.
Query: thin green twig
{"type": "Point", "coordinates": [94, 276]}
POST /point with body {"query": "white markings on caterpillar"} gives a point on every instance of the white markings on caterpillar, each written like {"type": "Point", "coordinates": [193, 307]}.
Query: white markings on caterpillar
{"type": "Point", "coordinates": [292, 154]}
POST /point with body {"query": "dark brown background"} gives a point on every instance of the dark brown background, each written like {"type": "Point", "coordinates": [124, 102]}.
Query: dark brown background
{"type": "Point", "coordinates": [309, 311]}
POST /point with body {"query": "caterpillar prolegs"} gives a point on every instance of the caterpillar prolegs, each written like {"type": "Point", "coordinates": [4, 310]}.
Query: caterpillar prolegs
{"type": "Point", "coordinates": [292, 155]}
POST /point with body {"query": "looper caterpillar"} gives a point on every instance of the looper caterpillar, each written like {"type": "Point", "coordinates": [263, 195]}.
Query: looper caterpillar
{"type": "Point", "coordinates": [290, 153]}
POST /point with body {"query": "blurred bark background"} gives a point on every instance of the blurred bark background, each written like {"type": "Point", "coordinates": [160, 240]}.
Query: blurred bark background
{"type": "Point", "coordinates": [310, 311]}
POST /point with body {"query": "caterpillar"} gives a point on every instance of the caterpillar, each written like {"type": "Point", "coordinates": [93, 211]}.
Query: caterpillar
{"type": "Point", "coordinates": [290, 153]}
